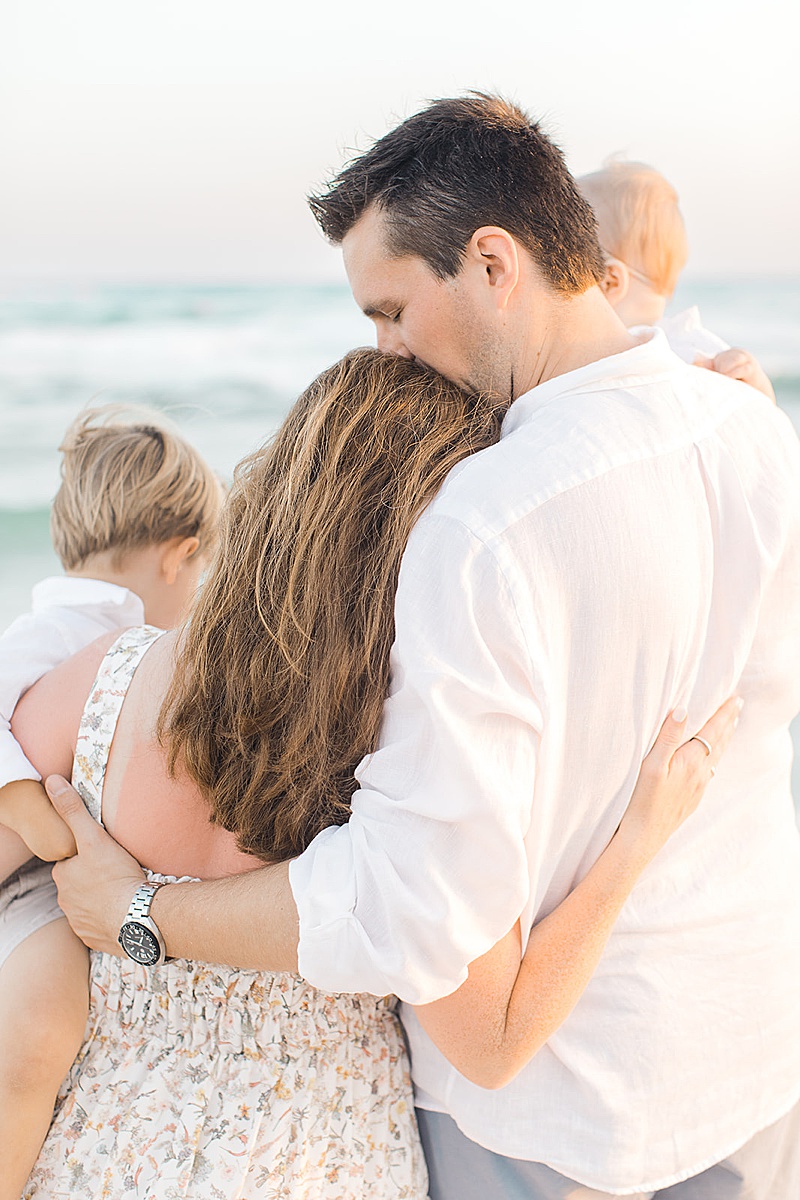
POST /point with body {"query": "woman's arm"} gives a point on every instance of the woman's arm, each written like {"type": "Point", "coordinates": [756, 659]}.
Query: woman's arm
{"type": "Point", "coordinates": [507, 1009]}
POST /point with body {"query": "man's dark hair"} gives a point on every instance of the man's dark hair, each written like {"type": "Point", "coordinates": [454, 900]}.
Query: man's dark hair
{"type": "Point", "coordinates": [460, 164]}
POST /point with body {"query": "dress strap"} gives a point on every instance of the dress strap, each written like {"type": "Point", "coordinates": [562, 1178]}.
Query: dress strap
{"type": "Point", "coordinates": [101, 713]}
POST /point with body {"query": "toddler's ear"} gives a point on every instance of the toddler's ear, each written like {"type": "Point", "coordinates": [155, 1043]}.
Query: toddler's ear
{"type": "Point", "coordinates": [175, 553]}
{"type": "Point", "coordinates": [615, 282]}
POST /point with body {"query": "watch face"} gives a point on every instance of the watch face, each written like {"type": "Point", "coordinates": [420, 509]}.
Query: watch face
{"type": "Point", "coordinates": [139, 943]}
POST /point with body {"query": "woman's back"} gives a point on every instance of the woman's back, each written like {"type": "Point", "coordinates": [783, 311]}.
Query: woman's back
{"type": "Point", "coordinates": [198, 1078]}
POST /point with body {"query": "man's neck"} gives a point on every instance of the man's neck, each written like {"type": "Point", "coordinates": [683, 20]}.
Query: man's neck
{"type": "Point", "coordinates": [567, 334]}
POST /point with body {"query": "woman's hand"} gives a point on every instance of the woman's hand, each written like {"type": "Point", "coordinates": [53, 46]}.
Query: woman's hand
{"type": "Point", "coordinates": [674, 777]}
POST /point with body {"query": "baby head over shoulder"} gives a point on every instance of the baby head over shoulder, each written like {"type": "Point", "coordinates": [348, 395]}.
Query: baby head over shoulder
{"type": "Point", "coordinates": [642, 234]}
{"type": "Point", "coordinates": [137, 507]}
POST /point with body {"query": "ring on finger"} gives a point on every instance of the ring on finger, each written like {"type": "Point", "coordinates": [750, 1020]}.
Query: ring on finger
{"type": "Point", "coordinates": [702, 742]}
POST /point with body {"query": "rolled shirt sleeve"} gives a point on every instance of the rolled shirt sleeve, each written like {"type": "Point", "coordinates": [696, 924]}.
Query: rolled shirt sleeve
{"type": "Point", "coordinates": [431, 869]}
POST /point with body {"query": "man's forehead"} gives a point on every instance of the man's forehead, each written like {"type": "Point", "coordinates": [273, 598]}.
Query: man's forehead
{"type": "Point", "coordinates": [377, 277]}
{"type": "Point", "coordinates": [366, 256]}
{"type": "Point", "coordinates": [366, 235]}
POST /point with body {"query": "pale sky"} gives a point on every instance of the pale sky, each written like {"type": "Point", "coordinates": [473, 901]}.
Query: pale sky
{"type": "Point", "coordinates": [172, 140]}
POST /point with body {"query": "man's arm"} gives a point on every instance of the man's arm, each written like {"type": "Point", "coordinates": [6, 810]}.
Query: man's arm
{"type": "Point", "coordinates": [432, 868]}
{"type": "Point", "coordinates": [247, 921]}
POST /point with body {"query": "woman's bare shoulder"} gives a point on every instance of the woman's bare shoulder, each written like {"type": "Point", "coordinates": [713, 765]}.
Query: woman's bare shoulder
{"type": "Point", "coordinates": [46, 720]}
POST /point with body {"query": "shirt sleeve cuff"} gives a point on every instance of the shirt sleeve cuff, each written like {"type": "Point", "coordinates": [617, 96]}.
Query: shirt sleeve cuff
{"type": "Point", "coordinates": [322, 880]}
{"type": "Point", "coordinates": [335, 951]}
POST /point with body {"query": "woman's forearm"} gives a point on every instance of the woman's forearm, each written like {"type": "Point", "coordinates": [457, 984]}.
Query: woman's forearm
{"type": "Point", "coordinates": [562, 954]}
{"type": "Point", "coordinates": [507, 1009]}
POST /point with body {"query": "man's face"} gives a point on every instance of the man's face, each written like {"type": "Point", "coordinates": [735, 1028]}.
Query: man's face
{"type": "Point", "coordinates": [440, 323]}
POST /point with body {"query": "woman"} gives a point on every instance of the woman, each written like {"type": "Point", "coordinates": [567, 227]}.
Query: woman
{"type": "Point", "coordinates": [207, 1081]}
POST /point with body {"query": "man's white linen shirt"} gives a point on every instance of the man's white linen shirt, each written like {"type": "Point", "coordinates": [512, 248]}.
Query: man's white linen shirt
{"type": "Point", "coordinates": [632, 543]}
{"type": "Point", "coordinates": [67, 613]}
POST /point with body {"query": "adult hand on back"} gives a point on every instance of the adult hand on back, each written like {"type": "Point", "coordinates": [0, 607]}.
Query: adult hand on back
{"type": "Point", "coordinates": [96, 885]}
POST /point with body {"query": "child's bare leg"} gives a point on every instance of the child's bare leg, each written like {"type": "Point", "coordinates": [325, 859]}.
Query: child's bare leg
{"type": "Point", "coordinates": [44, 996]}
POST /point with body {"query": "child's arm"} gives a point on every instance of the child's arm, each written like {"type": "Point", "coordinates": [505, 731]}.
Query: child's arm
{"type": "Point", "coordinates": [26, 810]}
{"type": "Point", "coordinates": [740, 364]}
{"type": "Point", "coordinates": [506, 1010]}
{"type": "Point", "coordinates": [46, 725]}
{"type": "Point", "coordinates": [29, 648]}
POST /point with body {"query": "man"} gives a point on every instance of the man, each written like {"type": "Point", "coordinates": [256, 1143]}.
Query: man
{"type": "Point", "coordinates": [632, 543]}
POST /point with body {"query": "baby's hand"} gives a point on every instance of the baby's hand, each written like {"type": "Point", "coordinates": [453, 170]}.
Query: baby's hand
{"type": "Point", "coordinates": [740, 364]}
{"type": "Point", "coordinates": [25, 807]}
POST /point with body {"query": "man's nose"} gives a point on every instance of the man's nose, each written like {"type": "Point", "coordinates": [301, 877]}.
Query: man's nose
{"type": "Point", "coordinates": [390, 341]}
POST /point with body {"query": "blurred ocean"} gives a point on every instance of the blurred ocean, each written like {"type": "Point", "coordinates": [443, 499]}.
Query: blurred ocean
{"type": "Point", "coordinates": [225, 363]}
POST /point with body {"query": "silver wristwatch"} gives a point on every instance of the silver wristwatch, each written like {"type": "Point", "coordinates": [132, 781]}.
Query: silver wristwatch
{"type": "Point", "coordinates": [139, 936]}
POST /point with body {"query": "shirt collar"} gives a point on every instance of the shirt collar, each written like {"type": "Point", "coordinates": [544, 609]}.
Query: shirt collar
{"type": "Point", "coordinates": [650, 357]}
{"type": "Point", "coordinates": [68, 591]}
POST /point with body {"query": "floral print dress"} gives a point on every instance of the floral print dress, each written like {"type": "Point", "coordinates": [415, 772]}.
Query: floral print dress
{"type": "Point", "coordinates": [207, 1083]}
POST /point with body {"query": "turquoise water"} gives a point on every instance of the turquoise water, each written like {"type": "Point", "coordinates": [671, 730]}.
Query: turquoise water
{"type": "Point", "coordinates": [226, 362]}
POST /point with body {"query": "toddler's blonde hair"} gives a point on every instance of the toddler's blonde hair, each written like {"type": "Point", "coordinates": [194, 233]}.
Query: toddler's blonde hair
{"type": "Point", "coordinates": [639, 220]}
{"type": "Point", "coordinates": [129, 480]}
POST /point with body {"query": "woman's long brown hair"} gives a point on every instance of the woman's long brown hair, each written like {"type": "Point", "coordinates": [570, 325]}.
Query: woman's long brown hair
{"type": "Point", "coordinates": [280, 685]}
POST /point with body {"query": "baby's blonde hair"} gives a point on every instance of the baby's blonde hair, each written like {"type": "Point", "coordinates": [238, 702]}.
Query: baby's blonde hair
{"type": "Point", "coordinates": [128, 480]}
{"type": "Point", "coordinates": [639, 220]}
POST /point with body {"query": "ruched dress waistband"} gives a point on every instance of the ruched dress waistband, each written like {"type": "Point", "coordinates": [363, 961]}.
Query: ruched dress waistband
{"type": "Point", "coordinates": [240, 1010]}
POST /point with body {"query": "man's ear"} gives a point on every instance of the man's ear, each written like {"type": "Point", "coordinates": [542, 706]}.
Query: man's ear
{"type": "Point", "coordinates": [495, 253]}
{"type": "Point", "coordinates": [174, 554]}
{"type": "Point", "coordinates": [616, 281]}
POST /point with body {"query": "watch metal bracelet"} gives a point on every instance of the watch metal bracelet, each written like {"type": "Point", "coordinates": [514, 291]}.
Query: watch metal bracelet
{"type": "Point", "coordinates": [139, 936]}
{"type": "Point", "coordinates": [142, 899]}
